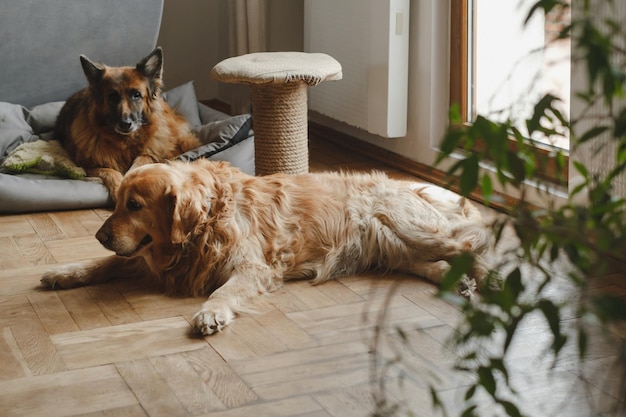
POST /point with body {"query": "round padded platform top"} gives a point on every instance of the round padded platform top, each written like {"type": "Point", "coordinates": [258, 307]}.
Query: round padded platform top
{"type": "Point", "coordinates": [278, 68]}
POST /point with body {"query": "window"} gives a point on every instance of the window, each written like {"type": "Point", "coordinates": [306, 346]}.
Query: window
{"type": "Point", "coordinates": [501, 67]}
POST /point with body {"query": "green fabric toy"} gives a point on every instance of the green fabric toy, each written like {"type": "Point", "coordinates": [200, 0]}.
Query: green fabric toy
{"type": "Point", "coordinates": [43, 157]}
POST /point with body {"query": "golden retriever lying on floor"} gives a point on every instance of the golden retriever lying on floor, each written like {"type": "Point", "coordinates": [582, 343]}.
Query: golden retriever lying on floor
{"type": "Point", "coordinates": [207, 228]}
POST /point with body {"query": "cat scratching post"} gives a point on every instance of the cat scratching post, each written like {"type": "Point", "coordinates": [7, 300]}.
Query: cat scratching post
{"type": "Point", "coordinates": [279, 82]}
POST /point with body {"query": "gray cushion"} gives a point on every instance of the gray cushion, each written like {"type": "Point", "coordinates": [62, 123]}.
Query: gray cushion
{"type": "Point", "coordinates": [229, 140]}
{"type": "Point", "coordinates": [14, 129]}
{"type": "Point", "coordinates": [183, 100]}
{"type": "Point", "coordinates": [30, 192]}
{"type": "Point", "coordinates": [220, 134]}
{"type": "Point", "coordinates": [19, 124]}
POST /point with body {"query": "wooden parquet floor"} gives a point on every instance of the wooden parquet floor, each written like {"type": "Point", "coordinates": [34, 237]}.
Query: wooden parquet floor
{"type": "Point", "coordinates": [119, 349]}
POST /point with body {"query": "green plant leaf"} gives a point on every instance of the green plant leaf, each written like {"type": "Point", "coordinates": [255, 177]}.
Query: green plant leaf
{"type": "Point", "coordinates": [451, 142]}
{"type": "Point", "coordinates": [552, 315]}
{"type": "Point", "coordinates": [482, 324]}
{"type": "Point", "coordinates": [498, 364]}
{"type": "Point", "coordinates": [510, 332]}
{"type": "Point", "coordinates": [582, 343]}
{"type": "Point", "coordinates": [610, 308]}
{"type": "Point", "coordinates": [514, 282]}
{"type": "Point", "coordinates": [459, 266]}
{"type": "Point", "coordinates": [469, 394]}
{"type": "Point", "coordinates": [620, 124]}
{"type": "Point", "coordinates": [572, 252]}
{"type": "Point", "coordinates": [546, 5]}
{"type": "Point", "coordinates": [437, 404]}
{"type": "Point", "coordinates": [487, 188]}
{"type": "Point", "coordinates": [457, 166]}
{"type": "Point", "coordinates": [454, 115]}
{"type": "Point", "coordinates": [517, 168]}
{"type": "Point", "coordinates": [469, 177]}
{"type": "Point", "coordinates": [581, 168]}
{"type": "Point", "coordinates": [486, 380]}
{"type": "Point", "coordinates": [543, 105]}
{"type": "Point", "coordinates": [469, 412]}
{"type": "Point", "coordinates": [510, 408]}
{"type": "Point", "coordinates": [621, 153]}
{"type": "Point", "coordinates": [554, 252]}
{"type": "Point", "coordinates": [592, 133]}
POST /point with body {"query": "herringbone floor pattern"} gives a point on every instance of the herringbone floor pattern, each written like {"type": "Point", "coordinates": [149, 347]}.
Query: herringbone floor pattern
{"type": "Point", "coordinates": [119, 349]}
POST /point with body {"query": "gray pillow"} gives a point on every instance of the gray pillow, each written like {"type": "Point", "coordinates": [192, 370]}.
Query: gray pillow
{"type": "Point", "coordinates": [182, 100]}
{"type": "Point", "coordinates": [15, 128]}
{"type": "Point", "coordinates": [222, 138]}
{"type": "Point", "coordinates": [42, 118]}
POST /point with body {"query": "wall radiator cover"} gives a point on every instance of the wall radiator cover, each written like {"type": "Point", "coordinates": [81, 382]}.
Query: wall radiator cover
{"type": "Point", "coordinates": [370, 38]}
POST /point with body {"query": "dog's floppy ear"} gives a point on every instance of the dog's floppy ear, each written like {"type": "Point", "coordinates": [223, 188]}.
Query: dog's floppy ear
{"type": "Point", "coordinates": [93, 71]}
{"type": "Point", "coordinates": [152, 68]}
{"type": "Point", "coordinates": [187, 213]}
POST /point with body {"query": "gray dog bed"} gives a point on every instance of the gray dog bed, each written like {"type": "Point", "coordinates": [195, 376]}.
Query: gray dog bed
{"type": "Point", "coordinates": [40, 68]}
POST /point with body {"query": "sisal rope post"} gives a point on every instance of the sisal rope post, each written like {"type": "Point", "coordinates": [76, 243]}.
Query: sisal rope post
{"type": "Point", "coordinates": [279, 83]}
{"type": "Point", "coordinates": [280, 128]}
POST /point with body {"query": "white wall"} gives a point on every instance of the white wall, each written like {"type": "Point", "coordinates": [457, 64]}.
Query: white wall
{"type": "Point", "coordinates": [428, 85]}
{"type": "Point", "coordinates": [286, 22]}
{"type": "Point", "coordinates": [194, 37]}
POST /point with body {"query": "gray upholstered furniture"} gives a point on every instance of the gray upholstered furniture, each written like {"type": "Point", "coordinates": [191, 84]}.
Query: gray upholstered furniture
{"type": "Point", "coordinates": [40, 44]}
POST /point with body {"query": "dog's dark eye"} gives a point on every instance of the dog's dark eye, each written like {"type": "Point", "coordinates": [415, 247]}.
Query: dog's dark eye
{"type": "Point", "coordinates": [135, 95]}
{"type": "Point", "coordinates": [133, 205]}
{"type": "Point", "coordinates": [114, 97]}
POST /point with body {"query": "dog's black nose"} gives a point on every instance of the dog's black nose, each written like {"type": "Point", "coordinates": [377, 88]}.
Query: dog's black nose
{"type": "Point", "coordinates": [102, 236]}
{"type": "Point", "coordinates": [125, 126]}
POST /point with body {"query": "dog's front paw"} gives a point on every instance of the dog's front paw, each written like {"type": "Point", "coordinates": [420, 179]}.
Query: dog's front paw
{"type": "Point", "coordinates": [211, 320]}
{"type": "Point", "coordinates": [68, 276]}
{"type": "Point", "coordinates": [467, 287]}
{"type": "Point", "coordinates": [93, 179]}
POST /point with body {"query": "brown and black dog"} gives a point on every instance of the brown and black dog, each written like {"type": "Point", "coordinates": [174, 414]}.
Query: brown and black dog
{"type": "Point", "coordinates": [121, 121]}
